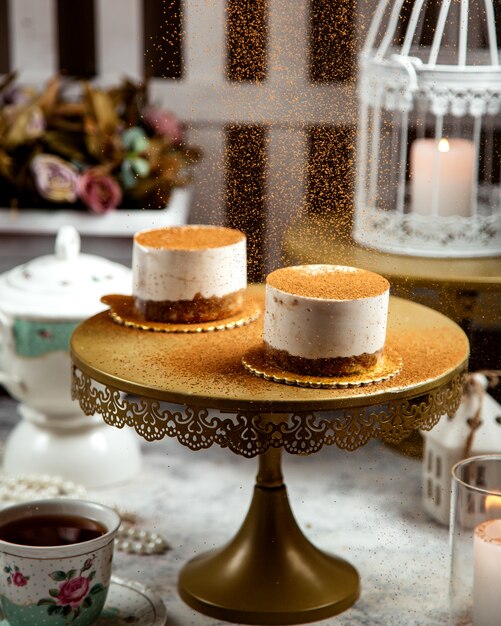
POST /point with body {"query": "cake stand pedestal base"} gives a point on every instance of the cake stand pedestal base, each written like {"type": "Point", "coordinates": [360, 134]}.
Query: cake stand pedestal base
{"type": "Point", "coordinates": [269, 573]}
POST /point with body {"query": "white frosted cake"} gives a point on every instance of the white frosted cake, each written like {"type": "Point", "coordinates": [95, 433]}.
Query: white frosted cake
{"type": "Point", "coordinates": [189, 274]}
{"type": "Point", "coordinates": [325, 320]}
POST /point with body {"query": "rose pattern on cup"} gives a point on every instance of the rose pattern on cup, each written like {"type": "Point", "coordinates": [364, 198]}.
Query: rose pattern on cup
{"type": "Point", "coordinates": [15, 577]}
{"type": "Point", "coordinates": [74, 593]}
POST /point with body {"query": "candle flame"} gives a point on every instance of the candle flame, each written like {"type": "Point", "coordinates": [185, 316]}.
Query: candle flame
{"type": "Point", "coordinates": [443, 145]}
{"type": "Point", "coordinates": [492, 504]}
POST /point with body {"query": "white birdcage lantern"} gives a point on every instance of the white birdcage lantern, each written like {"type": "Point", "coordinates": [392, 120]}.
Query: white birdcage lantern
{"type": "Point", "coordinates": [474, 430]}
{"type": "Point", "coordinates": [429, 166]}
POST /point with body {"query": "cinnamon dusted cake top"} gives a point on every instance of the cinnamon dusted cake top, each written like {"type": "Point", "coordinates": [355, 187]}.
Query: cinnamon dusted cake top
{"type": "Point", "coordinates": [328, 282]}
{"type": "Point", "coordinates": [189, 237]}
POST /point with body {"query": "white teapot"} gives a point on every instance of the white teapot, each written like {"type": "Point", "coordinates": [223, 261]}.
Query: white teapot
{"type": "Point", "coordinates": [41, 303]}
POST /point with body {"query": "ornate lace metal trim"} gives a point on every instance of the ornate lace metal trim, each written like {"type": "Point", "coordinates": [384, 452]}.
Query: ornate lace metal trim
{"type": "Point", "coordinates": [460, 93]}
{"type": "Point", "coordinates": [249, 433]}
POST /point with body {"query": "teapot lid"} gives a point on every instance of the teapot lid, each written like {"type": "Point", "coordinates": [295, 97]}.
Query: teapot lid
{"type": "Point", "coordinates": [66, 285]}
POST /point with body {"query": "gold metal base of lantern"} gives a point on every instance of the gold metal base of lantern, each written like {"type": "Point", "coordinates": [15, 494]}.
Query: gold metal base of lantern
{"type": "Point", "coordinates": [269, 573]}
{"type": "Point", "coordinates": [464, 289]}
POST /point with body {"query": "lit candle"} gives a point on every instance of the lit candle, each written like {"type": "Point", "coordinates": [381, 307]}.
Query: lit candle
{"type": "Point", "coordinates": [487, 573]}
{"type": "Point", "coordinates": [493, 506]}
{"type": "Point", "coordinates": [442, 175]}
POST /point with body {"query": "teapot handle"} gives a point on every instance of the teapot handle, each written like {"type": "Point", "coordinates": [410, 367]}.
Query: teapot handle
{"type": "Point", "coordinates": [13, 384]}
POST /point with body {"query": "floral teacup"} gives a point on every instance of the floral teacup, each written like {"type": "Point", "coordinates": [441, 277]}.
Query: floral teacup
{"type": "Point", "coordinates": [57, 585]}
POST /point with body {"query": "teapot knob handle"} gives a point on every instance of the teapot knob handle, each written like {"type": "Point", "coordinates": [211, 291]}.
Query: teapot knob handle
{"type": "Point", "coordinates": [67, 243]}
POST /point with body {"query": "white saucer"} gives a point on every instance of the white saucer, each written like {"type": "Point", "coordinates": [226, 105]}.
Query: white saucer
{"type": "Point", "coordinates": [129, 603]}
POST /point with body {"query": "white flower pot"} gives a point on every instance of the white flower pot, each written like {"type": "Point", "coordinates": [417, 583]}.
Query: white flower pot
{"type": "Point", "coordinates": [122, 223]}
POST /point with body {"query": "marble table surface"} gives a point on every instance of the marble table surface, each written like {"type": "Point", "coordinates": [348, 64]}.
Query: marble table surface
{"type": "Point", "coordinates": [364, 506]}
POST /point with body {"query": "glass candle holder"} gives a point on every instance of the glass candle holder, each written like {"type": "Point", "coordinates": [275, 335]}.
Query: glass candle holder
{"type": "Point", "coordinates": [475, 541]}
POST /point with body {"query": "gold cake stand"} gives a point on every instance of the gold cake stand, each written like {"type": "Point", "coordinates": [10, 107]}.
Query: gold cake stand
{"type": "Point", "coordinates": [194, 388]}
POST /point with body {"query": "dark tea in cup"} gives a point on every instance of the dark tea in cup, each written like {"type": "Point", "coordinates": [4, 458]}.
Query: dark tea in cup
{"type": "Point", "coordinates": [55, 561]}
{"type": "Point", "coordinates": [51, 530]}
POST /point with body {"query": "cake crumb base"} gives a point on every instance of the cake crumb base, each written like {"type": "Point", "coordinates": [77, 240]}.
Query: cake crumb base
{"type": "Point", "coordinates": [195, 311]}
{"type": "Point", "coordinates": [338, 366]}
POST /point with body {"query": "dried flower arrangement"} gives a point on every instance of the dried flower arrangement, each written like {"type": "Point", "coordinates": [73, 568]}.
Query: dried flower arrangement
{"type": "Point", "coordinates": [98, 151]}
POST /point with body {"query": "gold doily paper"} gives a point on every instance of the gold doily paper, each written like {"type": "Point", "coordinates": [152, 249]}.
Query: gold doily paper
{"type": "Point", "coordinates": [123, 312]}
{"type": "Point", "coordinates": [258, 363]}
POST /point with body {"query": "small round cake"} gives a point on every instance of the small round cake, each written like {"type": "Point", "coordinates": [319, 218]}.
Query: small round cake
{"type": "Point", "coordinates": [189, 274]}
{"type": "Point", "coordinates": [325, 320]}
